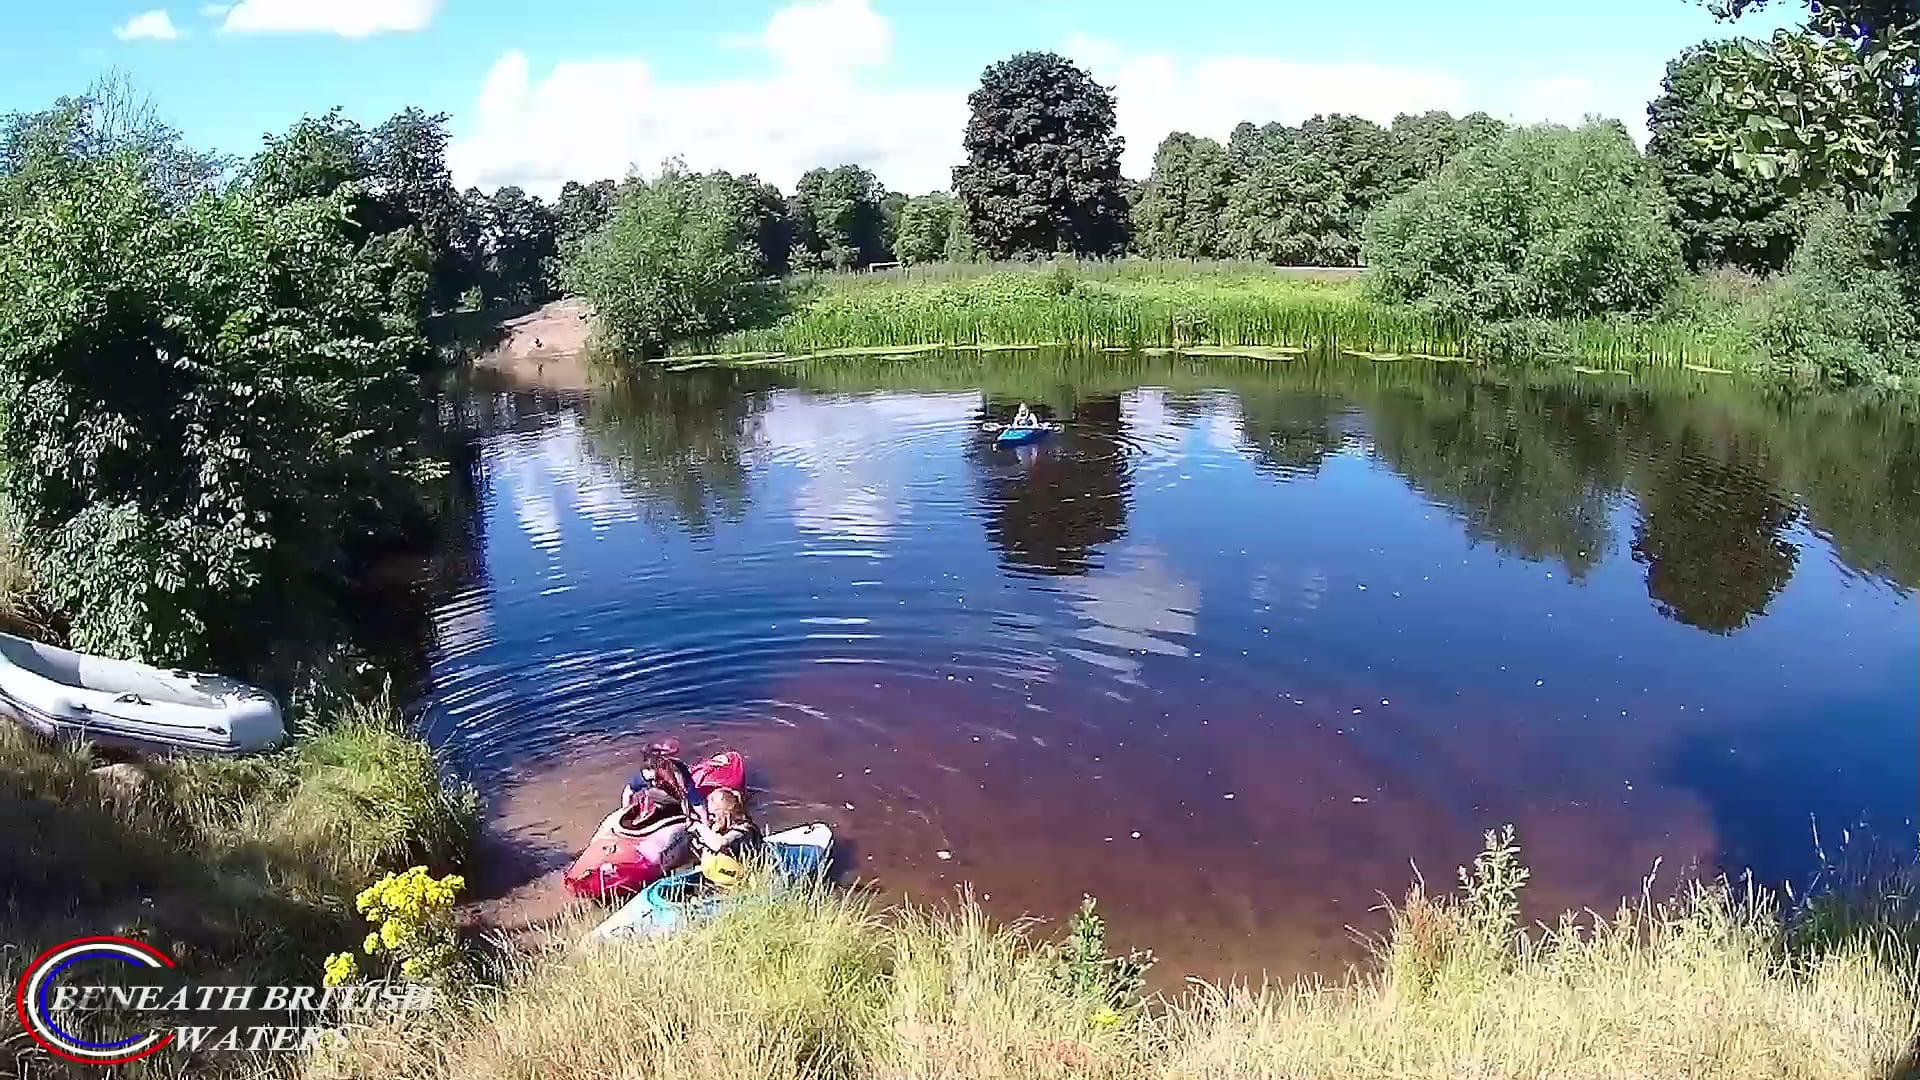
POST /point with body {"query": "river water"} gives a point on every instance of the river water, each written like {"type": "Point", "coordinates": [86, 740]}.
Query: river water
{"type": "Point", "coordinates": [1235, 652]}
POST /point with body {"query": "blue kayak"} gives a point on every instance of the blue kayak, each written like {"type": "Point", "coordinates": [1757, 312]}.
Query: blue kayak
{"type": "Point", "coordinates": [1020, 436]}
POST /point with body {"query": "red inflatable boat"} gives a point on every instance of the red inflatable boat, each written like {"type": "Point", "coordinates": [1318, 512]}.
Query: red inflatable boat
{"type": "Point", "coordinates": [646, 837]}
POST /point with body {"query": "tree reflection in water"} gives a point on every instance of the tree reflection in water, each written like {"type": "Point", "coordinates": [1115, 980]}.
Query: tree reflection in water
{"type": "Point", "coordinates": [1050, 507]}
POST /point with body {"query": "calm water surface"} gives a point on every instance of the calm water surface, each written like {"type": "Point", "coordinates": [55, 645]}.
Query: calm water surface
{"type": "Point", "coordinates": [1230, 653]}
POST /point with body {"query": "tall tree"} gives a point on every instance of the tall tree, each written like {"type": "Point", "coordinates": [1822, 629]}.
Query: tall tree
{"type": "Point", "coordinates": [522, 247]}
{"type": "Point", "coordinates": [582, 209]}
{"type": "Point", "coordinates": [1287, 204]}
{"type": "Point", "coordinates": [926, 223]}
{"type": "Point", "coordinates": [772, 225]}
{"type": "Point", "coordinates": [1043, 162]}
{"type": "Point", "coordinates": [315, 158]}
{"type": "Point", "coordinates": [1177, 215]}
{"type": "Point", "coordinates": [407, 169]}
{"type": "Point", "coordinates": [891, 206]}
{"type": "Point", "coordinates": [837, 219]}
{"type": "Point", "coordinates": [1725, 217]}
{"type": "Point", "coordinates": [1300, 196]}
{"type": "Point", "coordinates": [40, 149]}
{"type": "Point", "coordinates": [470, 245]}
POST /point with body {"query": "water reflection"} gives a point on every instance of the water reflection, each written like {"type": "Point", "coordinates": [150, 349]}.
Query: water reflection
{"type": "Point", "coordinates": [1383, 606]}
{"type": "Point", "coordinates": [1050, 507]}
{"type": "Point", "coordinates": [680, 444]}
{"type": "Point", "coordinates": [1533, 473]}
{"type": "Point", "coordinates": [1292, 435]}
{"type": "Point", "coordinates": [1712, 534]}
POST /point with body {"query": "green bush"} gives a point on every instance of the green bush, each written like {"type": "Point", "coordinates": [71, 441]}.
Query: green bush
{"type": "Point", "coordinates": [677, 259]}
{"type": "Point", "coordinates": [1546, 222]}
{"type": "Point", "coordinates": [1845, 313]}
{"type": "Point", "coordinates": [204, 408]}
{"type": "Point", "coordinates": [1518, 340]}
{"type": "Point", "coordinates": [926, 225]}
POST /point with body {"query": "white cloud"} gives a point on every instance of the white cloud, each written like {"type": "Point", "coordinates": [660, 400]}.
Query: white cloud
{"type": "Point", "coordinates": [1158, 94]}
{"type": "Point", "coordinates": [347, 18]}
{"type": "Point", "coordinates": [154, 25]}
{"type": "Point", "coordinates": [584, 120]}
{"type": "Point", "coordinates": [847, 493]}
{"type": "Point", "coordinates": [1209, 95]}
{"type": "Point", "coordinates": [830, 94]}
{"type": "Point", "coordinates": [829, 36]}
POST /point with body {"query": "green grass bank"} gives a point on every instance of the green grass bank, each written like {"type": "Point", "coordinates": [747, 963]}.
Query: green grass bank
{"type": "Point", "coordinates": [244, 870]}
{"type": "Point", "coordinates": [1145, 304]}
{"type": "Point", "coordinates": [820, 983]}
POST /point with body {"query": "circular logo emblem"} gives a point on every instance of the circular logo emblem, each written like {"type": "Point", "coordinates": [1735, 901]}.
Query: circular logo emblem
{"type": "Point", "coordinates": [37, 997]}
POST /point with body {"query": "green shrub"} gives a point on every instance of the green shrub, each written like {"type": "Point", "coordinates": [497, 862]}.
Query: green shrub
{"type": "Point", "coordinates": [1845, 313]}
{"type": "Point", "coordinates": [677, 259]}
{"type": "Point", "coordinates": [1546, 222]}
{"type": "Point", "coordinates": [204, 409]}
{"type": "Point", "coordinates": [1514, 340]}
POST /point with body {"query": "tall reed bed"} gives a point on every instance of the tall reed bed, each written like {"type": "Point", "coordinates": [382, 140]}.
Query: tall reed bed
{"type": "Point", "coordinates": [1138, 309]}
{"type": "Point", "coordinates": [1137, 304]}
{"type": "Point", "coordinates": [815, 984]}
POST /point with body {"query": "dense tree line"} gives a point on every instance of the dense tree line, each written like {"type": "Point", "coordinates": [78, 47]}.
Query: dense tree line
{"type": "Point", "coordinates": [1290, 195]}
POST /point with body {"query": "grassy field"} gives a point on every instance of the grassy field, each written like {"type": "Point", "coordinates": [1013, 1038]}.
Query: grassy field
{"type": "Point", "coordinates": [1137, 304]}
{"type": "Point", "coordinates": [817, 983]}
{"type": "Point", "coordinates": [244, 870]}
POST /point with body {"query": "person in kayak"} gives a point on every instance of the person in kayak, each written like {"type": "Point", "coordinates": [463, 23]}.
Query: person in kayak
{"type": "Point", "coordinates": [1024, 418]}
{"type": "Point", "coordinates": [727, 830]}
{"type": "Point", "coordinates": [666, 774]}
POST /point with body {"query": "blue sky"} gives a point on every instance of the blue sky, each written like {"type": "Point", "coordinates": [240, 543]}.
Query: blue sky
{"type": "Point", "coordinates": [590, 88]}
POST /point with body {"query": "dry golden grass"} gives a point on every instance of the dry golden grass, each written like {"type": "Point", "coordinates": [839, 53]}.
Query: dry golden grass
{"type": "Point", "coordinates": [816, 984]}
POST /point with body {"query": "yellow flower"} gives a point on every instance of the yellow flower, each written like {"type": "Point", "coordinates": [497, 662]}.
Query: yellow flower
{"type": "Point", "coordinates": [371, 946]}
{"type": "Point", "coordinates": [341, 968]}
{"type": "Point", "coordinates": [1106, 1018]}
